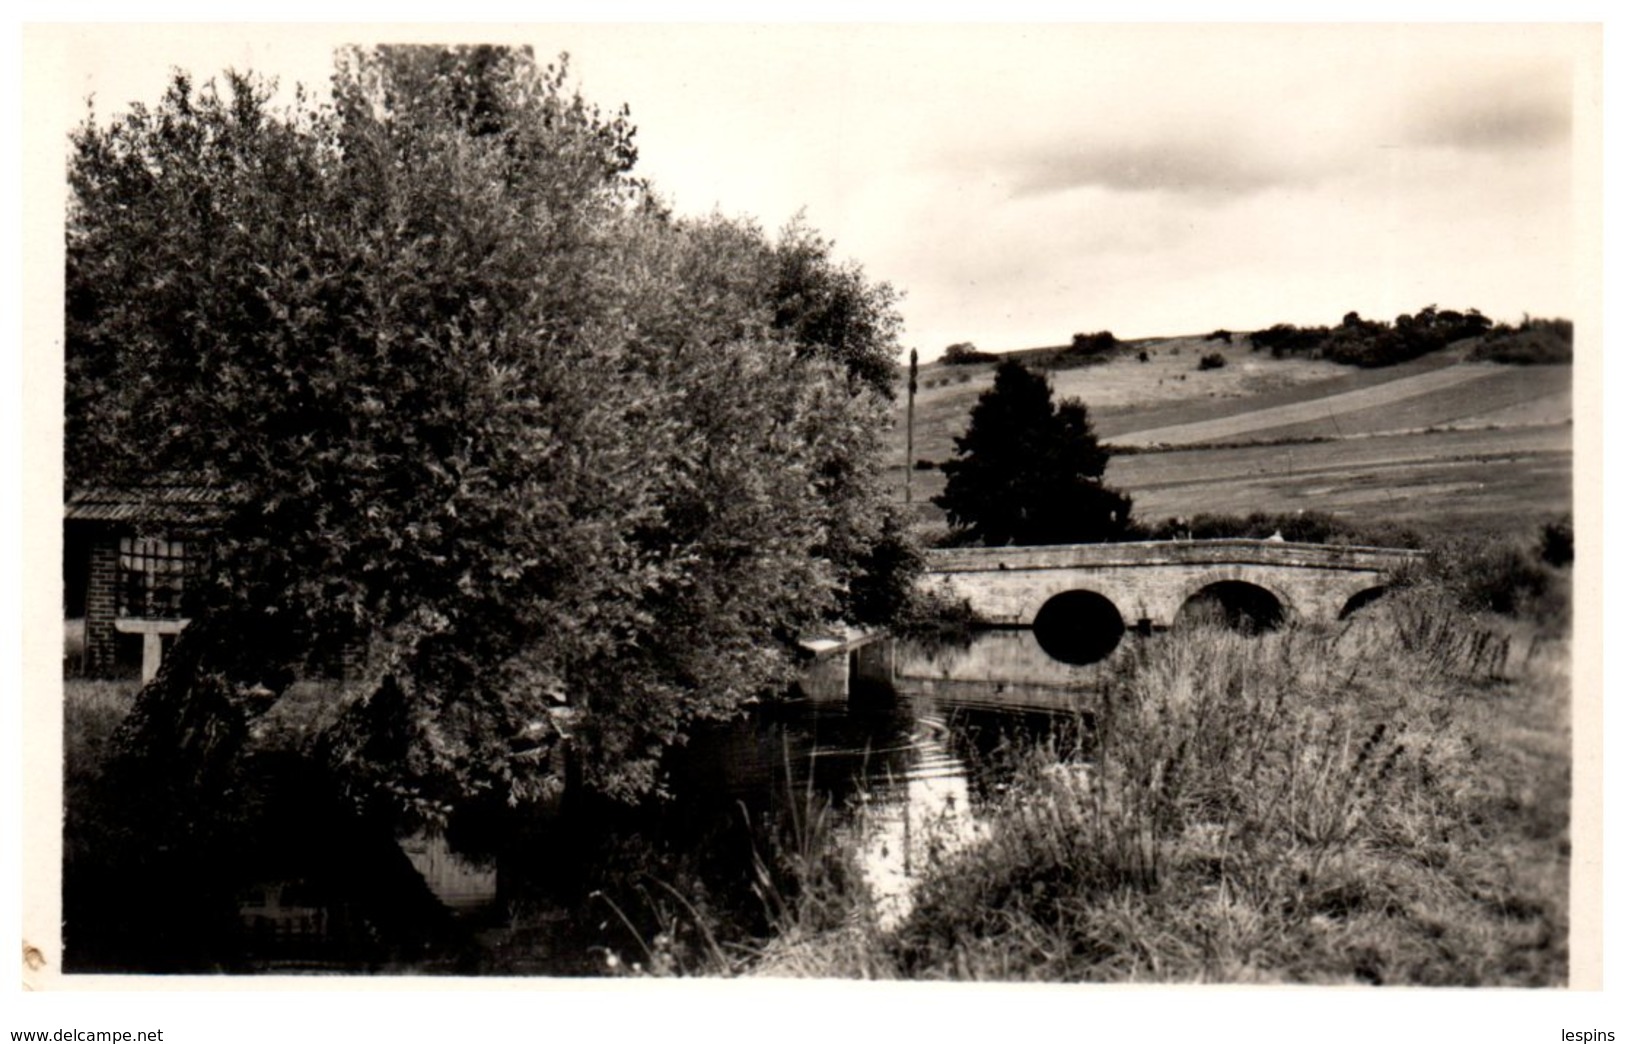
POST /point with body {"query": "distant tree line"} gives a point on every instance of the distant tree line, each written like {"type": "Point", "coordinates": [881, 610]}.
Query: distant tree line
{"type": "Point", "coordinates": [1302, 527]}
{"type": "Point", "coordinates": [1084, 348]}
{"type": "Point", "coordinates": [1357, 341]}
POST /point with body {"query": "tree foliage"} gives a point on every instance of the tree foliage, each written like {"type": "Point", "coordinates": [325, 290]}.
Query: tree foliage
{"type": "Point", "coordinates": [1369, 343]}
{"type": "Point", "coordinates": [1089, 344]}
{"type": "Point", "coordinates": [832, 311]}
{"type": "Point", "coordinates": [1027, 471]}
{"type": "Point", "coordinates": [964, 353]}
{"type": "Point", "coordinates": [574, 469]}
{"type": "Point", "coordinates": [1531, 342]}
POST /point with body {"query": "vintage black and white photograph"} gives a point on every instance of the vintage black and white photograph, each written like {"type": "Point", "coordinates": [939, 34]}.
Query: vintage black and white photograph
{"type": "Point", "coordinates": [1068, 503]}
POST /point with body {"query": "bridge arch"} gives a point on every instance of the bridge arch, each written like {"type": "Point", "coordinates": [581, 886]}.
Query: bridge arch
{"type": "Point", "coordinates": [1240, 604]}
{"type": "Point", "coordinates": [1148, 582]}
{"type": "Point", "coordinates": [1078, 626]}
{"type": "Point", "coordinates": [1359, 600]}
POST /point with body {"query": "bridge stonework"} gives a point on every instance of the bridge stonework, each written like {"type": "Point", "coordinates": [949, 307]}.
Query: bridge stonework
{"type": "Point", "coordinates": [1149, 582]}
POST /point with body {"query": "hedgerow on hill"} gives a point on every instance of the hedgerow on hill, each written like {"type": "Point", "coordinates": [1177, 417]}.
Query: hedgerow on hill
{"type": "Point", "coordinates": [1366, 342]}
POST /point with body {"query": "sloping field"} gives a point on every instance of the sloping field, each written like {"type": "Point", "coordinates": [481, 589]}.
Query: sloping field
{"type": "Point", "coordinates": [1248, 382]}
{"type": "Point", "coordinates": [1436, 443]}
{"type": "Point", "coordinates": [1548, 409]}
{"type": "Point", "coordinates": [1125, 394]}
{"type": "Point", "coordinates": [1465, 393]}
{"type": "Point", "coordinates": [1445, 482]}
{"type": "Point", "coordinates": [1480, 481]}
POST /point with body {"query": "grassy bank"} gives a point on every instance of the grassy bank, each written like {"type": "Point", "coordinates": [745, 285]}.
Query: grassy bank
{"type": "Point", "coordinates": [1386, 802]}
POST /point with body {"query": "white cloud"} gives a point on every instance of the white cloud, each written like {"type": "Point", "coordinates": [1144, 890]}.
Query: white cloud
{"type": "Point", "coordinates": [1020, 183]}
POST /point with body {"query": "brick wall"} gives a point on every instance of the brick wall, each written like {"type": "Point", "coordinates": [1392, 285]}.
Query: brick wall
{"type": "Point", "coordinates": [101, 605]}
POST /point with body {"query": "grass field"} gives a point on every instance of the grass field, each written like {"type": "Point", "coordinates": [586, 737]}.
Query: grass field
{"type": "Point", "coordinates": [1454, 395]}
{"type": "Point", "coordinates": [1440, 444]}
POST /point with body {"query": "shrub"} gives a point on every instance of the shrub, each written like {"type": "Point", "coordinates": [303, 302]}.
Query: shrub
{"type": "Point", "coordinates": [1218, 335]}
{"type": "Point", "coordinates": [1211, 361]}
{"type": "Point", "coordinates": [887, 577]}
{"type": "Point", "coordinates": [1284, 339]}
{"type": "Point", "coordinates": [1306, 527]}
{"type": "Point", "coordinates": [1144, 356]}
{"type": "Point", "coordinates": [1533, 342]}
{"type": "Point", "coordinates": [1557, 542]}
{"type": "Point", "coordinates": [965, 353]}
{"type": "Point", "coordinates": [1524, 579]}
{"type": "Point", "coordinates": [934, 614]}
{"type": "Point", "coordinates": [1092, 343]}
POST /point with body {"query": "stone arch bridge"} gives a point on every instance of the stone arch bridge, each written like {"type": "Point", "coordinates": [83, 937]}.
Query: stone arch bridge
{"type": "Point", "coordinates": [1147, 585]}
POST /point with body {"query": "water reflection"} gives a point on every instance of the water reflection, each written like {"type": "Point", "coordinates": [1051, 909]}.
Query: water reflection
{"type": "Point", "coordinates": [902, 743]}
{"type": "Point", "coordinates": [460, 883]}
{"type": "Point", "coordinates": [905, 740]}
{"type": "Point", "coordinates": [914, 825]}
{"type": "Point", "coordinates": [1005, 670]}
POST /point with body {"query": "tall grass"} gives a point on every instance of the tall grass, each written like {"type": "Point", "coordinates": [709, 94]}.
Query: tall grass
{"type": "Point", "coordinates": [774, 875]}
{"type": "Point", "coordinates": [91, 714]}
{"type": "Point", "coordinates": [1384, 802]}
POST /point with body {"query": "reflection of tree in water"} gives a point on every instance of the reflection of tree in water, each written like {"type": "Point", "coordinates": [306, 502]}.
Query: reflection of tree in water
{"type": "Point", "coordinates": [993, 744]}
{"type": "Point", "coordinates": [941, 647]}
{"type": "Point", "coordinates": [279, 873]}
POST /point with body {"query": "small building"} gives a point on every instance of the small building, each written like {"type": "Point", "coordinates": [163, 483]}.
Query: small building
{"type": "Point", "coordinates": [132, 557]}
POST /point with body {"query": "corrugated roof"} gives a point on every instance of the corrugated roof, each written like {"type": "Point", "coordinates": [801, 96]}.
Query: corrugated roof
{"type": "Point", "coordinates": [168, 503]}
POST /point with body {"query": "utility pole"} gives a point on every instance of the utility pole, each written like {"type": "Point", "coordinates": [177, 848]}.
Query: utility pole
{"type": "Point", "coordinates": [908, 454]}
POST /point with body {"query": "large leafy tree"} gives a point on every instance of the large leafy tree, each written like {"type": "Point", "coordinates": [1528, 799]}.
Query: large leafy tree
{"type": "Point", "coordinates": [573, 469]}
{"type": "Point", "coordinates": [1027, 471]}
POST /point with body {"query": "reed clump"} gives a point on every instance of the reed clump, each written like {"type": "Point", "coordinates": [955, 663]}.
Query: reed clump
{"type": "Point", "coordinates": [1385, 801]}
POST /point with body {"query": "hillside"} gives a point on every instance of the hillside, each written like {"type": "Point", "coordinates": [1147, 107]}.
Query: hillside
{"type": "Point", "coordinates": [1439, 443]}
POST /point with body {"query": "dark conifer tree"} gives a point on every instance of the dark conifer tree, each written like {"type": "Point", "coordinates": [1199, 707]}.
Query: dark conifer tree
{"type": "Point", "coordinates": [1029, 472]}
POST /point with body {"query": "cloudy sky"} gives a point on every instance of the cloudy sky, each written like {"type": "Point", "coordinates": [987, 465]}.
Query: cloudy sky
{"type": "Point", "coordinates": [1022, 183]}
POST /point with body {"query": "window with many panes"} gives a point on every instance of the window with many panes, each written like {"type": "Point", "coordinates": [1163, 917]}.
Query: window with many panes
{"type": "Point", "coordinates": [153, 574]}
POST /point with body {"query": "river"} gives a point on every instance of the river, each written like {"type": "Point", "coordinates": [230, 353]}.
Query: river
{"type": "Point", "coordinates": [890, 747]}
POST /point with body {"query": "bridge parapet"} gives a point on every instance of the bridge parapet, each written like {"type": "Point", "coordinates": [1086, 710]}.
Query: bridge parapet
{"type": "Point", "coordinates": [1173, 553]}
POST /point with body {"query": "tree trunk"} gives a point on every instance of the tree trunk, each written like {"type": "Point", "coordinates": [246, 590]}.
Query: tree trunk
{"type": "Point", "coordinates": [189, 724]}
